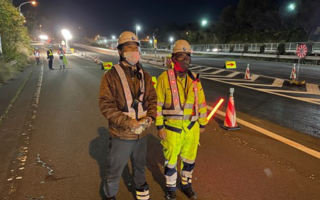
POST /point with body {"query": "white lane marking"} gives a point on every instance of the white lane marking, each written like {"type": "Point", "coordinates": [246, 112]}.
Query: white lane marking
{"type": "Point", "coordinates": [204, 69]}
{"type": "Point", "coordinates": [263, 90]}
{"type": "Point", "coordinates": [262, 85]}
{"type": "Point", "coordinates": [290, 91]}
{"type": "Point", "coordinates": [278, 82]}
{"type": "Point", "coordinates": [254, 77]}
{"type": "Point", "coordinates": [228, 79]}
{"type": "Point", "coordinates": [195, 67]}
{"type": "Point", "coordinates": [312, 88]}
{"type": "Point", "coordinates": [312, 99]}
{"type": "Point", "coordinates": [233, 74]}
{"type": "Point", "coordinates": [218, 71]}
{"type": "Point", "coordinates": [284, 140]}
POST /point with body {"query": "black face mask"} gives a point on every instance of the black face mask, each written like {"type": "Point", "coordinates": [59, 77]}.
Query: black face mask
{"type": "Point", "coordinates": [181, 65]}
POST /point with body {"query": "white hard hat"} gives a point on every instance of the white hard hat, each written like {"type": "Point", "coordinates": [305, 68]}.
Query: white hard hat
{"type": "Point", "coordinates": [36, 47]}
{"type": "Point", "coordinates": [181, 46]}
{"type": "Point", "coordinates": [127, 36]}
{"type": "Point", "coordinates": [50, 46]}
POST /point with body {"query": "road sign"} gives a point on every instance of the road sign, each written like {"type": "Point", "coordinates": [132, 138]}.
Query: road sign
{"type": "Point", "coordinates": [107, 65]}
{"type": "Point", "coordinates": [302, 51]}
{"type": "Point", "coordinates": [230, 64]}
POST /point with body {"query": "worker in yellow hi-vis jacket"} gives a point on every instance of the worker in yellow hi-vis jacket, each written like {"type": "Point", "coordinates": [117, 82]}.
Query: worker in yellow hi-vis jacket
{"type": "Point", "coordinates": [181, 117]}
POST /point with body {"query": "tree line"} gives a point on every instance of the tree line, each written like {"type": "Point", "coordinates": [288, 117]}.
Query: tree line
{"type": "Point", "coordinates": [252, 21]}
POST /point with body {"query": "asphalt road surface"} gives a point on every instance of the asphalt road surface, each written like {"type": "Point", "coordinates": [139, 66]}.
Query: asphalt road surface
{"type": "Point", "coordinates": [54, 141]}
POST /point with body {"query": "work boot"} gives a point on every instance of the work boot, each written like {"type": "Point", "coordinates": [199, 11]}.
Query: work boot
{"type": "Point", "coordinates": [171, 195]}
{"type": "Point", "coordinates": [190, 193]}
{"type": "Point", "coordinates": [111, 198]}
{"type": "Point", "coordinates": [143, 192]}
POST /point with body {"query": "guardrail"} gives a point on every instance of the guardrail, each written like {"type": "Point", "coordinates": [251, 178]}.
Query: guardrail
{"type": "Point", "coordinates": [253, 47]}
{"type": "Point", "coordinates": [162, 58]}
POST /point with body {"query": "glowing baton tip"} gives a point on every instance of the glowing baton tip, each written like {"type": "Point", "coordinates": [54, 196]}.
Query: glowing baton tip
{"type": "Point", "coordinates": [215, 109]}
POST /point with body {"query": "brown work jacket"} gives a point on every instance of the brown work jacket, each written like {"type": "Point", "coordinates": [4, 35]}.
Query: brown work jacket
{"type": "Point", "coordinates": [113, 103]}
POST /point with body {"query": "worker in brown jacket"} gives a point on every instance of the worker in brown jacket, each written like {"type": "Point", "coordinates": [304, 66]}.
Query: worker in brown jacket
{"type": "Point", "coordinates": [128, 101]}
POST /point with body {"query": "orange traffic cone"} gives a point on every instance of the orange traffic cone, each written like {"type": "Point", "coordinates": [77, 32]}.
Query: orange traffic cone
{"type": "Point", "coordinates": [293, 73]}
{"type": "Point", "coordinates": [230, 122]}
{"type": "Point", "coordinates": [247, 76]}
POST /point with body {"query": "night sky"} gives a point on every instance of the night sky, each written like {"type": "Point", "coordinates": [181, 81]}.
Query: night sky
{"type": "Point", "coordinates": [106, 17]}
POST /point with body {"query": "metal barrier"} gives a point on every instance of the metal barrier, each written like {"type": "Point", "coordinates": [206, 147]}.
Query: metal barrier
{"type": "Point", "coordinates": [316, 48]}
{"type": "Point", "coordinates": [252, 47]}
{"type": "Point", "coordinates": [223, 49]}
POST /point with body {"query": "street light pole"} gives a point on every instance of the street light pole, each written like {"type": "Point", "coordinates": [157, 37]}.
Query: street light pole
{"type": "Point", "coordinates": [32, 2]}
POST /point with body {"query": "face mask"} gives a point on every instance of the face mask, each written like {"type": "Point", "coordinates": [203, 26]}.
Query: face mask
{"type": "Point", "coordinates": [132, 58]}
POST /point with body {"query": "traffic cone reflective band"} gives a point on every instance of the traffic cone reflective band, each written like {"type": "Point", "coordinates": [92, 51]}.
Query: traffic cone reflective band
{"type": "Point", "coordinates": [293, 73]}
{"type": "Point", "coordinates": [247, 76]}
{"type": "Point", "coordinates": [230, 121]}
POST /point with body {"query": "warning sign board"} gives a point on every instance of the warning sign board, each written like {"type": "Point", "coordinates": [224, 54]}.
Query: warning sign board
{"type": "Point", "coordinates": [230, 64]}
{"type": "Point", "coordinates": [302, 51]}
{"type": "Point", "coordinates": [107, 65]}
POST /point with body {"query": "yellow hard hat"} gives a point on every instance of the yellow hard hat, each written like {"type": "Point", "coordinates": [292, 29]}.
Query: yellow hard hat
{"type": "Point", "coordinates": [181, 46]}
{"type": "Point", "coordinates": [127, 36]}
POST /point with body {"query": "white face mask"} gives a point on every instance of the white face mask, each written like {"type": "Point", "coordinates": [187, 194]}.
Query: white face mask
{"type": "Point", "coordinates": [132, 58]}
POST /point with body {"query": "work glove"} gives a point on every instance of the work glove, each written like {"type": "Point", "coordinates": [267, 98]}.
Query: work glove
{"type": "Point", "coordinates": [145, 122]}
{"type": "Point", "coordinates": [138, 130]}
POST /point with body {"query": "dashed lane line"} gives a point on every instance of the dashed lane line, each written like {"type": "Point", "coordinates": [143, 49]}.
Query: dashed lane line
{"type": "Point", "coordinates": [264, 90]}
{"type": "Point", "coordinates": [233, 74]}
{"type": "Point", "coordinates": [278, 82]}
{"type": "Point", "coordinates": [218, 71]}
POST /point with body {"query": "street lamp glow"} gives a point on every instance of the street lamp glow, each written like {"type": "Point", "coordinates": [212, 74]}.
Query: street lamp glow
{"type": "Point", "coordinates": [33, 3]}
{"type": "Point", "coordinates": [292, 6]}
{"type": "Point", "coordinates": [171, 39]}
{"type": "Point", "coordinates": [150, 41]}
{"type": "Point", "coordinates": [138, 28]}
{"type": "Point", "coordinates": [204, 22]}
{"type": "Point", "coordinates": [43, 37]}
{"type": "Point", "coordinates": [113, 37]}
{"type": "Point", "coordinates": [66, 34]}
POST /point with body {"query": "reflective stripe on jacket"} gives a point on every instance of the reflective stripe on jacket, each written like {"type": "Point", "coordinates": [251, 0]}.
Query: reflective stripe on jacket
{"type": "Point", "coordinates": [180, 102]}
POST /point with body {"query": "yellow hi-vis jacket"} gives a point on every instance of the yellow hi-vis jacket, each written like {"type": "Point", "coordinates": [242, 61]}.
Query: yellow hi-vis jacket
{"type": "Point", "coordinates": [180, 102]}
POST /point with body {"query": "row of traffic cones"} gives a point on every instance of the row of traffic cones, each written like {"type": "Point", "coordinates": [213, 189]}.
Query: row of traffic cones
{"type": "Point", "coordinates": [230, 122]}
{"type": "Point", "coordinates": [293, 75]}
